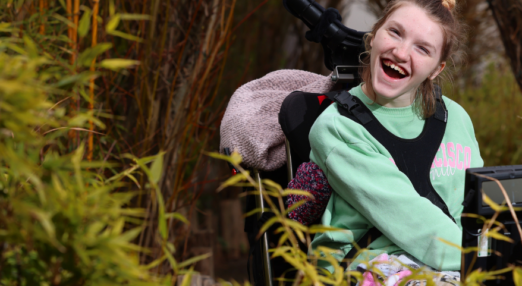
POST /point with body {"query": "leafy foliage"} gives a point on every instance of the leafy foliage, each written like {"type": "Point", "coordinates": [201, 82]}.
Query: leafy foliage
{"type": "Point", "coordinates": [307, 265]}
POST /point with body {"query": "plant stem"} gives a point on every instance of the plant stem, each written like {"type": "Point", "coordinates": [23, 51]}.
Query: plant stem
{"type": "Point", "coordinates": [91, 83]}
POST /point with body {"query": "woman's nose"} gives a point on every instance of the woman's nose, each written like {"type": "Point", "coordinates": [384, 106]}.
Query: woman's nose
{"type": "Point", "coordinates": [401, 52]}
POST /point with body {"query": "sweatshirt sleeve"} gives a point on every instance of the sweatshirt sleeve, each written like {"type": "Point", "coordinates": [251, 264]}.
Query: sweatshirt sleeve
{"type": "Point", "coordinates": [364, 176]}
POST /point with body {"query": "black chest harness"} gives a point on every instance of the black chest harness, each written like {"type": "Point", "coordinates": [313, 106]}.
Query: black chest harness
{"type": "Point", "coordinates": [413, 157]}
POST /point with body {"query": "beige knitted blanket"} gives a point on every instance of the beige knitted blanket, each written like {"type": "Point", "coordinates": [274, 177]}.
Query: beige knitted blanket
{"type": "Point", "coordinates": [250, 124]}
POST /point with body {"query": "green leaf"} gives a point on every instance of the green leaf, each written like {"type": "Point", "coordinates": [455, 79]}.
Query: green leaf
{"type": "Point", "coordinates": [272, 184]}
{"type": "Point", "coordinates": [294, 206]}
{"type": "Point", "coordinates": [233, 180]}
{"type": "Point", "coordinates": [187, 279]}
{"type": "Point", "coordinates": [111, 7]}
{"type": "Point", "coordinates": [156, 168]}
{"type": "Point", "coordinates": [125, 36]}
{"type": "Point", "coordinates": [193, 260]}
{"type": "Point", "coordinates": [162, 223]}
{"type": "Point", "coordinates": [113, 23]}
{"type": "Point", "coordinates": [89, 54]}
{"type": "Point", "coordinates": [64, 20]}
{"type": "Point", "coordinates": [297, 192]}
{"type": "Point", "coordinates": [85, 24]}
{"type": "Point", "coordinates": [252, 212]}
{"type": "Point", "coordinates": [18, 4]}
{"type": "Point", "coordinates": [171, 259]}
{"type": "Point", "coordinates": [236, 160]}
{"type": "Point", "coordinates": [62, 3]}
{"type": "Point", "coordinates": [30, 47]}
{"type": "Point", "coordinates": [117, 64]}
{"type": "Point", "coordinates": [136, 17]}
{"type": "Point", "coordinates": [177, 216]}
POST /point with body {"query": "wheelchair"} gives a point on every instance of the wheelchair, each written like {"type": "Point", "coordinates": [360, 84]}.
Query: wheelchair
{"type": "Point", "coordinates": [342, 49]}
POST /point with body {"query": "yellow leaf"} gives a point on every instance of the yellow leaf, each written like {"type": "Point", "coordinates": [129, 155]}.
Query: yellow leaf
{"type": "Point", "coordinates": [193, 260]}
{"type": "Point", "coordinates": [113, 23]}
{"type": "Point", "coordinates": [118, 64]}
{"type": "Point", "coordinates": [494, 234]}
{"type": "Point", "coordinates": [233, 180]}
{"type": "Point", "coordinates": [517, 276]}
{"type": "Point", "coordinates": [449, 243]}
{"type": "Point", "coordinates": [496, 207]}
{"type": "Point", "coordinates": [271, 183]}
{"type": "Point", "coordinates": [297, 192]}
{"type": "Point", "coordinates": [294, 206]}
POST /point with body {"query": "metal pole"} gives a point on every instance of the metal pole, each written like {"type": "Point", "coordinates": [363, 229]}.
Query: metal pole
{"type": "Point", "coordinates": [264, 238]}
{"type": "Point", "coordinates": [289, 167]}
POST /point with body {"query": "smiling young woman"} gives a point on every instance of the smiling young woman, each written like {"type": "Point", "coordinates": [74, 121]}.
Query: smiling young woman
{"type": "Point", "coordinates": [406, 51]}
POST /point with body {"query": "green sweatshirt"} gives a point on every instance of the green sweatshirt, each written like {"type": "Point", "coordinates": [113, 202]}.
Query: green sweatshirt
{"type": "Point", "coordinates": [369, 190]}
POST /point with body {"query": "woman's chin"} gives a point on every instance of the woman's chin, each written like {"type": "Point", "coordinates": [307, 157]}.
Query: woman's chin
{"type": "Point", "coordinates": [391, 95]}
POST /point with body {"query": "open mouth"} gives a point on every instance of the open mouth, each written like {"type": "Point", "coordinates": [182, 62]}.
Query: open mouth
{"type": "Point", "coordinates": [392, 70]}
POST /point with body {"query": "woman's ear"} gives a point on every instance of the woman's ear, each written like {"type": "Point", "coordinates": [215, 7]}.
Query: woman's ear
{"type": "Point", "coordinates": [438, 70]}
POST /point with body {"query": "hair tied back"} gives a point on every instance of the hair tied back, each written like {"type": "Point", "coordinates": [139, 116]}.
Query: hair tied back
{"type": "Point", "coordinates": [449, 4]}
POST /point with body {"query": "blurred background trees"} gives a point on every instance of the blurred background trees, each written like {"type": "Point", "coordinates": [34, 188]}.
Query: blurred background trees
{"type": "Point", "coordinates": [152, 77]}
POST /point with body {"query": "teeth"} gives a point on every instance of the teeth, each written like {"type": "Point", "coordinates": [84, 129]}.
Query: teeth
{"type": "Point", "coordinates": [397, 68]}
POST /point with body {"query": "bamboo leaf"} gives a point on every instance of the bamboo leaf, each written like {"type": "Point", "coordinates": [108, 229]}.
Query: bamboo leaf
{"type": "Point", "coordinates": [64, 20]}
{"type": "Point", "coordinates": [85, 24]}
{"type": "Point", "coordinates": [324, 228]}
{"type": "Point", "coordinates": [156, 168]}
{"type": "Point", "coordinates": [113, 23]}
{"type": "Point", "coordinates": [254, 211]}
{"type": "Point", "coordinates": [450, 243]}
{"type": "Point", "coordinates": [187, 279]}
{"type": "Point", "coordinates": [193, 260]}
{"type": "Point", "coordinates": [273, 184]}
{"type": "Point", "coordinates": [89, 54]}
{"type": "Point", "coordinates": [177, 216]}
{"type": "Point", "coordinates": [494, 234]}
{"type": "Point", "coordinates": [294, 206]}
{"type": "Point", "coordinates": [18, 4]}
{"type": "Point", "coordinates": [233, 180]}
{"type": "Point", "coordinates": [62, 3]}
{"type": "Point", "coordinates": [136, 17]}
{"type": "Point", "coordinates": [125, 36]}
{"type": "Point", "coordinates": [298, 193]}
{"type": "Point", "coordinates": [496, 207]}
{"type": "Point", "coordinates": [171, 260]}
{"type": "Point", "coordinates": [267, 225]}
{"type": "Point", "coordinates": [234, 159]}
{"type": "Point", "coordinates": [118, 64]}
{"type": "Point", "coordinates": [30, 47]}
{"type": "Point", "coordinates": [517, 276]}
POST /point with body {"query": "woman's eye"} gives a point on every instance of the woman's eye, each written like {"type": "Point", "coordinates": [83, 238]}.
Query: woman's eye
{"type": "Point", "coordinates": [423, 49]}
{"type": "Point", "coordinates": [395, 32]}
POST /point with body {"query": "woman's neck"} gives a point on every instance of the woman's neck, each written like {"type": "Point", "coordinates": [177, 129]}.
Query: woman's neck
{"type": "Point", "coordinates": [398, 101]}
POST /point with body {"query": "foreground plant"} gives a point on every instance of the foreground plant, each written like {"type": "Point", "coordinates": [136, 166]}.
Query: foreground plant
{"type": "Point", "coordinates": [65, 220]}
{"type": "Point", "coordinates": [306, 264]}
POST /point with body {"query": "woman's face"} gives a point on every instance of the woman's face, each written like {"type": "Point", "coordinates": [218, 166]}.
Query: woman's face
{"type": "Point", "coordinates": [405, 51]}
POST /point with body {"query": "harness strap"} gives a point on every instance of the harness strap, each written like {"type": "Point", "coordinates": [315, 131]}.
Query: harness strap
{"type": "Point", "coordinates": [417, 152]}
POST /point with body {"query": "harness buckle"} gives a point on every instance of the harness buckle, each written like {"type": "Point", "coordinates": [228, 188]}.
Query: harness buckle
{"type": "Point", "coordinates": [346, 100]}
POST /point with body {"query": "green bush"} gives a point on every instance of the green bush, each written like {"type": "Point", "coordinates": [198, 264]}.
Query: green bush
{"type": "Point", "coordinates": [494, 108]}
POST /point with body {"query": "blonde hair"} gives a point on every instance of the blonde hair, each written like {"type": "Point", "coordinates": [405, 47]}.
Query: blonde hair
{"type": "Point", "coordinates": [443, 13]}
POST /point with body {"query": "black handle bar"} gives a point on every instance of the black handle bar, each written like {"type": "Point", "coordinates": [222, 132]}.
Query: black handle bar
{"type": "Point", "coordinates": [342, 45]}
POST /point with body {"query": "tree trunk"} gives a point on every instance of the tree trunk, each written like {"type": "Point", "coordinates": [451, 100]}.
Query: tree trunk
{"type": "Point", "coordinates": [508, 16]}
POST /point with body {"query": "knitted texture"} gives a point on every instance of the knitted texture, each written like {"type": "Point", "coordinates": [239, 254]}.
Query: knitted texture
{"type": "Point", "coordinates": [309, 177]}
{"type": "Point", "coordinates": [250, 124]}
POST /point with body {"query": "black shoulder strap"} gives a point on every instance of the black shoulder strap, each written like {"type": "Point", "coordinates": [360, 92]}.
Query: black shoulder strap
{"type": "Point", "coordinates": [417, 152]}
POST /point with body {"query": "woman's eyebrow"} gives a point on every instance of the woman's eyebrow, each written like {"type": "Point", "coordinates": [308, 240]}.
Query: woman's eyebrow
{"type": "Point", "coordinates": [421, 42]}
